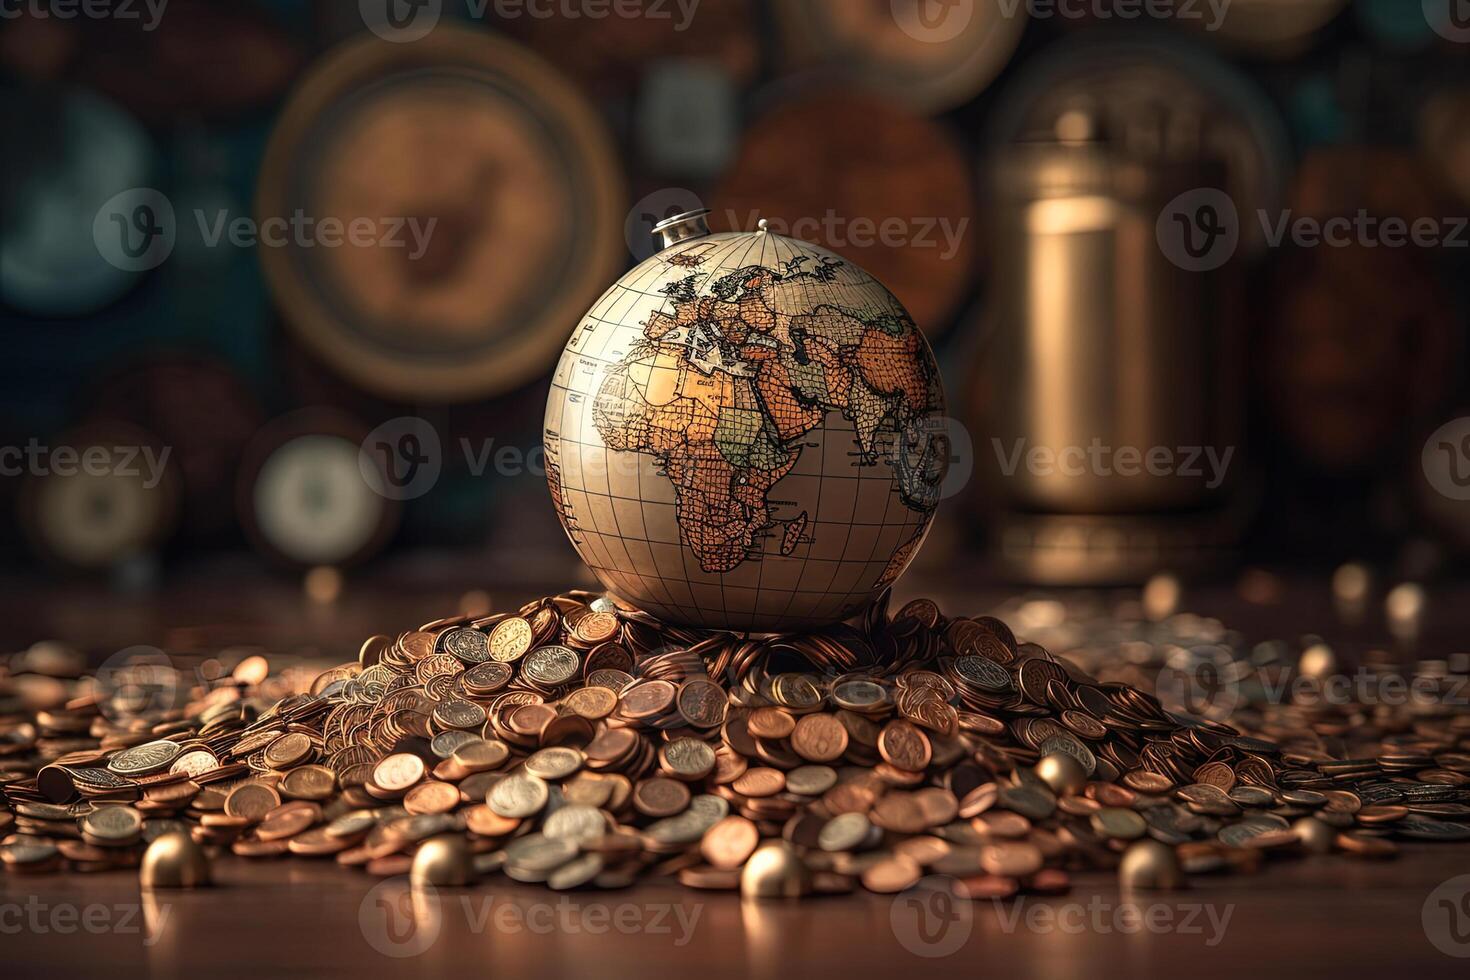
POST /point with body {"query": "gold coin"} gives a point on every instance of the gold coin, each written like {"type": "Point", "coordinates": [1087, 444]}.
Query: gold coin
{"type": "Point", "coordinates": [510, 639]}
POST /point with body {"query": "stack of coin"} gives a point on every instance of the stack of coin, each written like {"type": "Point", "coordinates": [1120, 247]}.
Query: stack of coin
{"type": "Point", "coordinates": [579, 743]}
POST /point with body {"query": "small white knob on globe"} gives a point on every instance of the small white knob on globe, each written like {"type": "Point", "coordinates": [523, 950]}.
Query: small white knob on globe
{"type": "Point", "coordinates": [746, 432]}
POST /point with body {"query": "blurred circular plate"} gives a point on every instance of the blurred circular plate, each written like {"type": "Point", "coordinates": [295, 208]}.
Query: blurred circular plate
{"type": "Point", "coordinates": [611, 54]}
{"type": "Point", "coordinates": [1158, 96]}
{"type": "Point", "coordinates": [494, 199]}
{"type": "Point", "coordinates": [934, 54]}
{"type": "Point", "coordinates": [94, 513]}
{"type": "Point", "coordinates": [308, 496]}
{"type": "Point", "coordinates": [79, 152]}
{"type": "Point", "coordinates": [1277, 29]}
{"type": "Point", "coordinates": [811, 167]}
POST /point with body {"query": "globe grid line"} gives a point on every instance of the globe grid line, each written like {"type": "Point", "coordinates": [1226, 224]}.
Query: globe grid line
{"type": "Point", "coordinates": [866, 436]}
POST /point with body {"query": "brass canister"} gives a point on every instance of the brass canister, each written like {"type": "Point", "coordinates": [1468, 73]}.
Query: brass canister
{"type": "Point", "coordinates": [1111, 421]}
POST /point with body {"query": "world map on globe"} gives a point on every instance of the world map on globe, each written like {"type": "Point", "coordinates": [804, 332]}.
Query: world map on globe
{"type": "Point", "coordinates": [743, 434]}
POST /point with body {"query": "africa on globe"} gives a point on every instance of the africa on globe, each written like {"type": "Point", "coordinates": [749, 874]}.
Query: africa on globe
{"type": "Point", "coordinates": [746, 432]}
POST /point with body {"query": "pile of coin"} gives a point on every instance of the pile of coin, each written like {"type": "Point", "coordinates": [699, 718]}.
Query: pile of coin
{"type": "Point", "coordinates": [578, 742]}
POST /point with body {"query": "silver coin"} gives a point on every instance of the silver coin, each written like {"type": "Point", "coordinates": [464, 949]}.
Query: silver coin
{"type": "Point", "coordinates": [556, 762]}
{"type": "Point", "coordinates": [519, 795]}
{"type": "Point", "coordinates": [140, 760]}
{"type": "Point", "coordinates": [576, 872]}
{"type": "Point", "coordinates": [811, 780]}
{"type": "Point", "coordinates": [576, 823]}
{"type": "Point", "coordinates": [690, 758]}
{"type": "Point", "coordinates": [466, 644]}
{"type": "Point", "coordinates": [982, 673]}
{"type": "Point", "coordinates": [445, 743]}
{"type": "Point", "coordinates": [539, 853]}
{"type": "Point", "coordinates": [551, 666]}
{"type": "Point", "coordinates": [844, 832]}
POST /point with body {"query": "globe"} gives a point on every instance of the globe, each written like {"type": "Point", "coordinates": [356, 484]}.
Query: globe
{"type": "Point", "coordinates": [746, 433]}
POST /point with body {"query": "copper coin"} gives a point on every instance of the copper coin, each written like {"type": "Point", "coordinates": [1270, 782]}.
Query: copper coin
{"type": "Point", "coordinates": [730, 842]}
{"type": "Point", "coordinates": [760, 782]}
{"type": "Point", "coordinates": [891, 875]}
{"type": "Point", "coordinates": [660, 797]}
{"type": "Point", "coordinates": [702, 703]}
{"type": "Point", "coordinates": [905, 746]}
{"type": "Point", "coordinates": [819, 738]}
{"type": "Point", "coordinates": [649, 699]}
{"type": "Point", "coordinates": [251, 801]}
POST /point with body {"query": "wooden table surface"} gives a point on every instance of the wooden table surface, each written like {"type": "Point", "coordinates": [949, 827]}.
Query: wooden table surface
{"type": "Point", "coordinates": [1317, 917]}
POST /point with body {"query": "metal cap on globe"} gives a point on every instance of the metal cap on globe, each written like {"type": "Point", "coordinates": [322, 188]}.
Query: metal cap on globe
{"type": "Point", "coordinates": [746, 432]}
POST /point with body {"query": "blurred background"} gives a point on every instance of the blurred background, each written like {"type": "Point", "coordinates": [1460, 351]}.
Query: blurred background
{"type": "Point", "coordinates": [1195, 270]}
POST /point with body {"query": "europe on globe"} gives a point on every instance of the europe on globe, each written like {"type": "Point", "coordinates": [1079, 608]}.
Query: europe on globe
{"type": "Point", "coordinates": [746, 432]}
